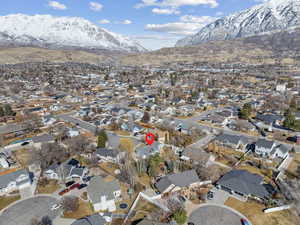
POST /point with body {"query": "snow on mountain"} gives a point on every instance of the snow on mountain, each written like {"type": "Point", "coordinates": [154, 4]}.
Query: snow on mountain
{"type": "Point", "coordinates": [270, 16]}
{"type": "Point", "coordinates": [61, 32]}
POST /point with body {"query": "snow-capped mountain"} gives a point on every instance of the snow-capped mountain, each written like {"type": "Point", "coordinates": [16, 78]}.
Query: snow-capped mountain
{"type": "Point", "coordinates": [61, 32]}
{"type": "Point", "coordinates": [270, 16]}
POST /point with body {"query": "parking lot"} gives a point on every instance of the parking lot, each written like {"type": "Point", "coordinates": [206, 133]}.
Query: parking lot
{"type": "Point", "coordinates": [23, 212]}
{"type": "Point", "coordinates": [212, 214]}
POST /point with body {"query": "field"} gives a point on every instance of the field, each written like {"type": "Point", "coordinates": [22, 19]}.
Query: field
{"type": "Point", "coordinates": [253, 211]}
{"type": "Point", "coordinates": [7, 200]}
{"type": "Point", "coordinates": [83, 210]}
{"type": "Point", "coordinates": [47, 187]}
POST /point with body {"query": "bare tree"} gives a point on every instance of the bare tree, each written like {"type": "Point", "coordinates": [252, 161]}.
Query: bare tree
{"type": "Point", "coordinates": [78, 144]}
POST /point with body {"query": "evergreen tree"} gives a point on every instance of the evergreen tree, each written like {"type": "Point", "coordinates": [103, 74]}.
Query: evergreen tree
{"type": "Point", "coordinates": [8, 110]}
{"type": "Point", "coordinates": [102, 139]}
{"type": "Point", "coordinates": [246, 111]}
{"type": "Point", "coordinates": [2, 113]}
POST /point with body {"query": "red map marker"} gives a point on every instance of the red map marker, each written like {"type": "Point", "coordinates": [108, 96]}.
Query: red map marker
{"type": "Point", "coordinates": [150, 138]}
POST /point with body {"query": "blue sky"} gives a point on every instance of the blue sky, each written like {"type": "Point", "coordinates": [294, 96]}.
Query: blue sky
{"type": "Point", "coordinates": [154, 23]}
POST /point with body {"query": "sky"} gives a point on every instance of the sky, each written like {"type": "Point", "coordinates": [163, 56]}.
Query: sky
{"type": "Point", "coordinates": [153, 23]}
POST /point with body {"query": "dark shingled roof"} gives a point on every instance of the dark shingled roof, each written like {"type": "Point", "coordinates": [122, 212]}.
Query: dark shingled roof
{"type": "Point", "coordinates": [183, 179]}
{"type": "Point", "coordinates": [244, 182]}
{"type": "Point", "coordinates": [95, 219]}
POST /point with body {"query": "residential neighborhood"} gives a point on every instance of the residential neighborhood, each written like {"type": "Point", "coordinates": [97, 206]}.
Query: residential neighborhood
{"type": "Point", "coordinates": [80, 142]}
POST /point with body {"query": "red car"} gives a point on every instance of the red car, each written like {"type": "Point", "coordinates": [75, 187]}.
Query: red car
{"type": "Point", "coordinates": [63, 192]}
{"type": "Point", "coordinates": [77, 185]}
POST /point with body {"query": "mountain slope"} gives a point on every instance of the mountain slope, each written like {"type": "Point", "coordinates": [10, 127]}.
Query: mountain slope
{"type": "Point", "coordinates": [270, 16]}
{"type": "Point", "coordinates": [61, 33]}
{"type": "Point", "coordinates": [283, 46]}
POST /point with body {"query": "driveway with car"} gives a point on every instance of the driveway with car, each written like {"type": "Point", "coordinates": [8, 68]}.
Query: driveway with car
{"type": "Point", "coordinates": [213, 214]}
{"type": "Point", "coordinates": [22, 212]}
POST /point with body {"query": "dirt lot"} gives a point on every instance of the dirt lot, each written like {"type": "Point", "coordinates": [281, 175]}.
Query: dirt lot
{"type": "Point", "coordinates": [253, 211]}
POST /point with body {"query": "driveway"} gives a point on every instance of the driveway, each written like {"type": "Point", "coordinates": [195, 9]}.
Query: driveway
{"type": "Point", "coordinates": [24, 211]}
{"type": "Point", "coordinates": [213, 214]}
{"type": "Point", "coordinates": [220, 197]}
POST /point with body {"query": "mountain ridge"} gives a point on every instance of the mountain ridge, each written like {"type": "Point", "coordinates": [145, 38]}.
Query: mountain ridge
{"type": "Point", "coordinates": [53, 32]}
{"type": "Point", "coordinates": [270, 16]}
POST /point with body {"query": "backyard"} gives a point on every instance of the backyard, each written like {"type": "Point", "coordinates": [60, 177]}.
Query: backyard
{"type": "Point", "coordinates": [254, 212]}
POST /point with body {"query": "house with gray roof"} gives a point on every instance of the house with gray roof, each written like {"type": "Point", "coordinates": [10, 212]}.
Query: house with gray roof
{"type": "Point", "coordinates": [146, 151]}
{"type": "Point", "coordinates": [151, 222]}
{"type": "Point", "coordinates": [66, 171]}
{"type": "Point", "coordinates": [235, 142]}
{"type": "Point", "coordinates": [245, 184]}
{"type": "Point", "coordinates": [270, 149]}
{"type": "Point", "coordinates": [103, 193]}
{"type": "Point", "coordinates": [95, 219]}
{"type": "Point", "coordinates": [109, 155]}
{"type": "Point", "coordinates": [41, 139]}
{"type": "Point", "coordinates": [14, 181]}
{"type": "Point", "coordinates": [178, 181]}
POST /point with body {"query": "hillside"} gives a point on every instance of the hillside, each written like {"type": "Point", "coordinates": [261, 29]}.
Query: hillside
{"type": "Point", "coordinates": [261, 49]}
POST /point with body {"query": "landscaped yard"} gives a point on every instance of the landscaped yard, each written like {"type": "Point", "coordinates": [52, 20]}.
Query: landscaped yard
{"type": "Point", "coordinates": [47, 186]}
{"type": "Point", "coordinates": [253, 211]}
{"type": "Point", "coordinates": [23, 156]}
{"type": "Point", "coordinates": [127, 144]}
{"type": "Point", "coordinates": [7, 200]}
{"type": "Point", "coordinates": [83, 210]}
{"type": "Point", "coordinates": [293, 167]}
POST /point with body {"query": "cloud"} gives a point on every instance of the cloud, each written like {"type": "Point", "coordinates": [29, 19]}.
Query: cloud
{"type": "Point", "coordinates": [188, 25]}
{"type": "Point", "coordinates": [176, 3]}
{"type": "Point", "coordinates": [104, 21]}
{"type": "Point", "coordinates": [219, 14]}
{"type": "Point", "coordinates": [155, 37]}
{"type": "Point", "coordinates": [203, 20]}
{"type": "Point", "coordinates": [165, 11]}
{"type": "Point", "coordinates": [174, 28]}
{"type": "Point", "coordinates": [126, 22]}
{"type": "Point", "coordinates": [95, 6]}
{"type": "Point", "coordinates": [57, 5]}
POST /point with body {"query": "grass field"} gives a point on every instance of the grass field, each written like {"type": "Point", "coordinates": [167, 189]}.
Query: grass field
{"type": "Point", "coordinates": [83, 210]}
{"type": "Point", "coordinates": [253, 211]}
{"type": "Point", "coordinates": [48, 187]}
{"type": "Point", "coordinates": [7, 200]}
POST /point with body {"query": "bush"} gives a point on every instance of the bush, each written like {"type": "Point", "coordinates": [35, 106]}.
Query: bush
{"type": "Point", "coordinates": [180, 216]}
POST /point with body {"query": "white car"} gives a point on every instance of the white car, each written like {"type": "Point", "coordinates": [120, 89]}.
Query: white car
{"type": "Point", "coordinates": [55, 207]}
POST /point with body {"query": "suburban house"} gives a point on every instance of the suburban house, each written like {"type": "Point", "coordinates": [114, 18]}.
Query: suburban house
{"type": "Point", "coordinates": [95, 219]}
{"type": "Point", "coordinates": [109, 155]}
{"type": "Point", "coordinates": [244, 184]}
{"type": "Point", "coordinates": [4, 163]}
{"type": "Point", "coordinates": [103, 193]}
{"type": "Point", "coordinates": [14, 181]}
{"type": "Point", "coordinates": [266, 148]}
{"type": "Point", "coordinates": [178, 181]}
{"type": "Point", "coordinates": [66, 171]}
{"type": "Point", "coordinates": [42, 139]}
{"type": "Point", "coordinates": [235, 142]}
{"type": "Point", "coordinates": [146, 151]}
{"type": "Point", "coordinates": [48, 120]}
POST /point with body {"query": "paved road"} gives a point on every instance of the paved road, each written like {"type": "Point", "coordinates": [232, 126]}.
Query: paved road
{"type": "Point", "coordinates": [213, 214]}
{"type": "Point", "coordinates": [24, 211]}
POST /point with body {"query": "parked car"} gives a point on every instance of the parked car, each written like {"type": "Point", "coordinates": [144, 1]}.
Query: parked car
{"type": "Point", "coordinates": [181, 198]}
{"type": "Point", "coordinates": [68, 184]}
{"type": "Point", "coordinates": [244, 222]}
{"type": "Point", "coordinates": [55, 207]}
{"type": "Point", "coordinates": [210, 195]}
{"type": "Point", "coordinates": [74, 186]}
{"type": "Point", "coordinates": [82, 186]}
{"type": "Point", "coordinates": [63, 191]}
